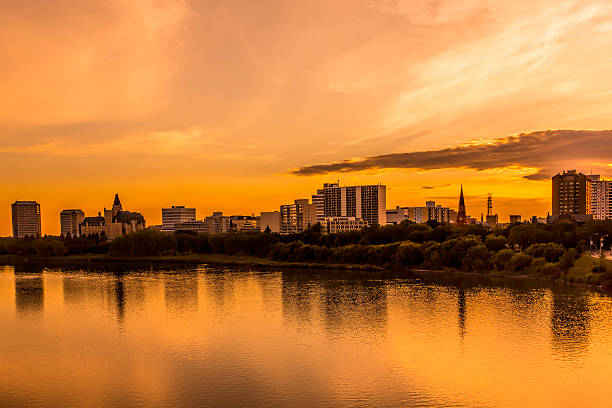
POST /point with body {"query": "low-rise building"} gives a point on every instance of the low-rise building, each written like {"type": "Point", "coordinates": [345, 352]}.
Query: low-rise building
{"type": "Point", "coordinates": [217, 223]}
{"type": "Point", "coordinates": [334, 225]}
{"type": "Point", "coordinates": [193, 227]}
{"type": "Point", "coordinates": [92, 226]}
{"type": "Point", "coordinates": [419, 215]}
{"type": "Point", "coordinates": [244, 223]}
{"type": "Point", "coordinates": [515, 219]}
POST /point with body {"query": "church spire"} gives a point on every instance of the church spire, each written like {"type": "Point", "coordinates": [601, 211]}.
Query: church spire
{"type": "Point", "coordinates": [461, 215]}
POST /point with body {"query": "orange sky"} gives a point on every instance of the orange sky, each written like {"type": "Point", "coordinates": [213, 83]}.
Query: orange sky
{"type": "Point", "coordinates": [213, 104]}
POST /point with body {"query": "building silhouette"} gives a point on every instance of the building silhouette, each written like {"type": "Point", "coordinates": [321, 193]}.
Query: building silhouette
{"type": "Point", "coordinates": [26, 219]}
{"type": "Point", "coordinates": [461, 215]}
{"type": "Point", "coordinates": [362, 202]}
{"type": "Point", "coordinates": [571, 194]}
{"type": "Point", "coordinates": [119, 222]}
{"type": "Point", "coordinates": [601, 198]}
{"type": "Point", "coordinates": [175, 215]}
{"type": "Point", "coordinates": [70, 222]}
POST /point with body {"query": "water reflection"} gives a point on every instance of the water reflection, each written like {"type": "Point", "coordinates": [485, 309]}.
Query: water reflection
{"type": "Point", "coordinates": [29, 295]}
{"type": "Point", "coordinates": [181, 295]}
{"type": "Point", "coordinates": [461, 311]}
{"type": "Point", "coordinates": [570, 323]}
{"type": "Point", "coordinates": [198, 336]}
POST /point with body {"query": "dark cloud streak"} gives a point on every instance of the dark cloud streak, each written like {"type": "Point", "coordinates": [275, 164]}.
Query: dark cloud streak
{"type": "Point", "coordinates": [544, 150]}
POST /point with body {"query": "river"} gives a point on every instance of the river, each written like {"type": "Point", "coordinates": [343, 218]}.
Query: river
{"type": "Point", "coordinates": [198, 336]}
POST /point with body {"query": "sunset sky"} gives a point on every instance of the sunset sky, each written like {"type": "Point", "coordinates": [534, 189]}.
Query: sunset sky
{"type": "Point", "coordinates": [241, 106]}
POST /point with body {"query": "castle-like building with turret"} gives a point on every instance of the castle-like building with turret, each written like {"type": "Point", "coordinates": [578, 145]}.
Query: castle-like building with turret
{"type": "Point", "coordinates": [115, 222]}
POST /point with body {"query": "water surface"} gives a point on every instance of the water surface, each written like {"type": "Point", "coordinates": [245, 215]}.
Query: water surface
{"type": "Point", "coordinates": [225, 338]}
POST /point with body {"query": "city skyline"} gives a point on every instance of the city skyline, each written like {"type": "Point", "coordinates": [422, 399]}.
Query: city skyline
{"type": "Point", "coordinates": [194, 100]}
{"type": "Point", "coordinates": [503, 218]}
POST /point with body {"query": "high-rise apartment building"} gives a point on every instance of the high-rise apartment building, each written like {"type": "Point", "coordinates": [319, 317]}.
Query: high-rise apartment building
{"type": "Point", "coordinates": [362, 202]}
{"type": "Point", "coordinates": [571, 194]}
{"type": "Point", "coordinates": [70, 222]}
{"type": "Point", "coordinates": [26, 219]}
{"type": "Point", "coordinates": [319, 200]}
{"type": "Point", "coordinates": [175, 215]}
{"type": "Point", "coordinates": [297, 217]}
{"type": "Point", "coordinates": [601, 198]}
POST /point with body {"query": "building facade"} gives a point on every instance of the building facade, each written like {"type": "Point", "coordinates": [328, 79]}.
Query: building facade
{"type": "Point", "coordinates": [217, 223]}
{"type": "Point", "coordinates": [515, 219]}
{"type": "Point", "coordinates": [176, 214]}
{"type": "Point", "coordinates": [92, 226]}
{"type": "Point", "coordinates": [119, 222]}
{"type": "Point", "coordinates": [192, 227]}
{"type": "Point", "coordinates": [571, 194]}
{"type": "Point", "coordinates": [601, 198]}
{"type": "Point", "coordinates": [419, 215]}
{"type": "Point", "coordinates": [362, 202]}
{"type": "Point", "coordinates": [334, 225]}
{"type": "Point", "coordinates": [244, 223]}
{"type": "Point", "coordinates": [297, 217]}
{"type": "Point", "coordinates": [270, 220]}
{"type": "Point", "coordinates": [70, 222]}
{"type": "Point", "coordinates": [26, 219]}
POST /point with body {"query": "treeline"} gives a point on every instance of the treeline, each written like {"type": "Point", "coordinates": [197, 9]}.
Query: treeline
{"type": "Point", "coordinates": [539, 249]}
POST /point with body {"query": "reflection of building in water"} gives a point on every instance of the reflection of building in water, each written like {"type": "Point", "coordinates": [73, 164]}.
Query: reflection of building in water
{"type": "Point", "coordinates": [353, 304]}
{"type": "Point", "coordinates": [461, 308]}
{"type": "Point", "coordinates": [297, 295]}
{"type": "Point", "coordinates": [29, 295]}
{"type": "Point", "coordinates": [181, 293]}
{"type": "Point", "coordinates": [570, 322]}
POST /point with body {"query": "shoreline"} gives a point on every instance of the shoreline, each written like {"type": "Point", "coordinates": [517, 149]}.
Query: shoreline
{"type": "Point", "coordinates": [250, 261]}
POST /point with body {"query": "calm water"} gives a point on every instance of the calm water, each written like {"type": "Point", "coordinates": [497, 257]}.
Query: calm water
{"type": "Point", "coordinates": [206, 337]}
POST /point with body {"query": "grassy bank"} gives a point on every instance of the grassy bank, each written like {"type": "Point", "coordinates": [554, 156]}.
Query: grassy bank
{"type": "Point", "coordinates": [209, 259]}
{"type": "Point", "coordinates": [586, 270]}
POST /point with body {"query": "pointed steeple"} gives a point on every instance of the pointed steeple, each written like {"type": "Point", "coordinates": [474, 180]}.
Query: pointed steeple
{"type": "Point", "coordinates": [117, 204]}
{"type": "Point", "coordinates": [461, 215]}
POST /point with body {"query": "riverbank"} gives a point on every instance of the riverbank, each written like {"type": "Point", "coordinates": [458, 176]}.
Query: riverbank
{"type": "Point", "coordinates": [587, 271]}
{"type": "Point", "coordinates": [208, 259]}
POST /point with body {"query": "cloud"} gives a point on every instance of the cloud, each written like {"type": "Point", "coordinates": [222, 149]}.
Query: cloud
{"type": "Point", "coordinates": [545, 151]}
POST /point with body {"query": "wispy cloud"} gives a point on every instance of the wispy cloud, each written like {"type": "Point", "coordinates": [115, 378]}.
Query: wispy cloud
{"type": "Point", "coordinates": [545, 151]}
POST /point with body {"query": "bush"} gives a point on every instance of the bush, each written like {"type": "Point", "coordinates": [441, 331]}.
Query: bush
{"type": "Point", "coordinates": [519, 262]}
{"type": "Point", "coordinates": [501, 260]}
{"type": "Point", "coordinates": [409, 254]}
{"type": "Point", "coordinates": [477, 259]}
{"type": "Point", "coordinates": [550, 251]}
{"type": "Point", "coordinates": [496, 243]}
{"type": "Point", "coordinates": [143, 243]}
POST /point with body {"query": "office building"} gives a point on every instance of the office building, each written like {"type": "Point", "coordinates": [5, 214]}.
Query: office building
{"type": "Point", "coordinates": [297, 217]}
{"type": "Point", "coordinates": [362, 202]}
{"type": "Point", "coordinates": [70, 222]}
{"type": "Point", "coordinates": [176, 214]}
{"type": "Point", "coordinates": [334, 225]}
{"type": "Point", "coordinates": [119, 222]}
{"type": "Point", "coordinates": [26, 219]}
{"type": "Point", "coordinates": [270, 220]}
{"type": "Point", "coordinates": [601, 198]}
{"type": "Point", "coordinates": [571, 194]}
